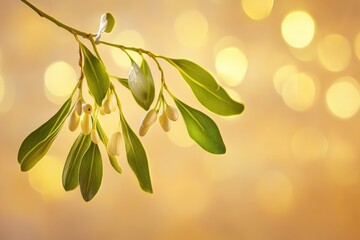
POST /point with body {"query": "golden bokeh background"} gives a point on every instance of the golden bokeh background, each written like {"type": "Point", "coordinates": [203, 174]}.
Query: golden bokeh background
{"type": "Point", "coordinates": [292, 167]}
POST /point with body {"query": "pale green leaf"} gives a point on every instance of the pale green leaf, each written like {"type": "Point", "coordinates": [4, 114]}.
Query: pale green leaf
{"type": "Point", "coordinates": [96, 75]}
{"type": "Point", "coordinates": [104, 140]}
{"type": "Point", "coordinates": [36, 145]}
{"type": "Point", "coordinates": [202, 129]}
{"type": "Point", "coordinates": [110, 22]}
{"type": "Point", "coordinates": [91, 172]}
{"type": "Point", "coordinates": [206, 89]}
{"type": "Point", "coordinates": [136, 156]}
{"type": "Point", "coordinates": [150, 81]}
{"type": "Point", "coordinates": [70, 176]}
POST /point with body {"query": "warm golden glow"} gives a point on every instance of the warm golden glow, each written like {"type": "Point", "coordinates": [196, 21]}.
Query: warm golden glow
{"type": "Point", "coordinates": [128, 37]}
{"type": "Point", "coordinates": [231, 64]}
{"type": "Point", "coordinates": [298, 29]}
{"type": "Point", "coordinates": [60, 80]}
{"type": "Point", "coordinates": [282, 75]}
{"type": "Point", "coordinates": [334, 52]}
{"type": "Point", "coordinates": [191, 28]}
{"type": "Point", "coordinates": [179, 134]}
{"type": "Point", "coordinates": [343, 97]}
{"type": "Point", "coordinates": [257, 9]}
{"type": "Point", "coordinates": [45, 177]}
{"type": "Point", "coordinates": [2, 89]}
{"type": "Point", "coordinates": [309, 144]}
{"type": "Point", "coordinates": [274, 193]}
{"type": "Point", "coordinates": [299, 92]}
{"type": "Point", "coordinates": [357, 46]}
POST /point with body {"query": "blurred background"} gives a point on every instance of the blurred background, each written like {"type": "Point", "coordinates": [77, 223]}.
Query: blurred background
{"type": "Point", "coordinates": [292, 167]}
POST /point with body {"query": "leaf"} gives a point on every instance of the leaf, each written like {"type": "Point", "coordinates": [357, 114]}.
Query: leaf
{"type": "Point", "coordinates": [70, 176]}
{"type": "Point", "coordinates": [110, 22]}
{"type": "Point", "coordinates": [36, 145]}
{"type": "Point", "coordinates": [104, 140]}
{"type": "Point", "coordinates": [201, 129]}
{"type": "Point", "coordinates": [122, 81]}
{"type": "Point", "coordinates": [150, 81]}
{"type": "Point", "coordinates": [140, 86]}
{"type": "Point", "coordinates": [206, 89]}
{"type": "Point", "coordinates": [91, 171]}
{"type": "Point", "coordinates": [96, 76]}
{"type": "Point", "coordinates": [136, 156]}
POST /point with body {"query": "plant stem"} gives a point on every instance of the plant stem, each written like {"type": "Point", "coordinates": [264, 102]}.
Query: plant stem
{"type": "Point", "coordinates": [60, 24]}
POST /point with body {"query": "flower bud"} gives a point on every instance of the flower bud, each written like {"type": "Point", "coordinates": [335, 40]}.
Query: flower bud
{"type": "Point", "coordinates": [113, 102]}
{"type": "Point", "coordinates": [164, 122]}
{"type": "Point", "coordinates": [74, 121]}
{"type": "Point", "coordinates": [87, 108]}
{"type": "Point", "coordinates": [106, 106]}
{"type": "Point", "coordinates": [94, 136]}
{"type": "Point", "coordinates": [78, 107]}
{"type": "Point", "coordinates": [101, 110]}
{"type": "Point", "coordinates": [86, 124]}
{"type": "Point", "coordinates": [172, 113]}
{"type": "Point", "coordinates": [143, 130]}
{"type": "Point", "coordinates": [114, 144]}
{"type": "Point", "coordinates": [149, 118]}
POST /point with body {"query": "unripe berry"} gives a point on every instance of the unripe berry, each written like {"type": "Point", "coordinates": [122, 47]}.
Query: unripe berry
{"type": "Point", "coordinates": [143, 130]}
{"type": "Point", "coordinates": [78, 106]}
{"type": "Point", "coordinates": [114, 144]}
{"type": "Point", "coordinates": [172, 113]}
{"type": "Point", "coordinates": [74, 121]}
{"type": "Point", "coordinates": [87, 108]}
{"type": "Point", "coordinates": [164, 122]}
{"type": "Point", "coordinates": [94, 136]}
{"type": "Point", "coordinates": [149, 118]}
{"type": "Point", "coordinates": [86, 124]}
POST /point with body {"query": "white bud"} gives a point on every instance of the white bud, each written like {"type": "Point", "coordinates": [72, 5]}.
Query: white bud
{"type": "Point", "coordinates": [113, 102]}
{"type": "Point", "coordinates": [114, 144]}
{"type": "Point", "coordinates": [138, 83]}
{"type": "Point", "coordinates": [78, 107]}
{"type": "Point", "coordinates": [87, 108]}
{"type": "Point", "coordinates": [86, 124]}
{"type": "Point", "coordinates": [149, 118]}
{"type": "Point", "coordinates": [94, 136]}
{"type": "Point", "coordinates": [102, 112]}
{"type": "Point", "coordinates": [143, 130]}
{"type": "Point", "coordinates": [172, 113]}
{"type": "Point", "coordinates": [164, 122]}
{"type": "Point", "coordinates": [106, 106]}
{"type": "Point", "coordinates": [74, 121]}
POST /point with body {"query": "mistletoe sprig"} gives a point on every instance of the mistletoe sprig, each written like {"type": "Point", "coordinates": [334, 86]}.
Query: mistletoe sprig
{"type": "Point", "coordinates": [83, 166]}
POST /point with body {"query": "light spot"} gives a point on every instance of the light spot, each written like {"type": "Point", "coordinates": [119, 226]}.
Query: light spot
{"type": "Point", "coordinates": [274, 193]}
{"type": "Point", "coordinates": [299, 92]}
{"type": "Point", "coordinates": [231, 65]}
{"type": "Point", "coordinates": [298, 29]}
{"type": "Point", "coordinates": [257, 9]}
{"type": "Point", "coordinates": [7, 95]}
{"type": "Point", "coordinates": [305, 54]}
{"type": "Point", "coordinates": [334, 52]}
{"type": "Point", "coordinates": [309, 144]}
{"type": "Point", "coordinates": [128, 38]}
{"type": "Point", "coordinates": [2, 89]}
{"type": "Point", "coordinates": [179, 134]}
{"type": "Point", "coordinates": [60, 80]}
{"type": "Point", "coordinates": [282, 75]}
{"type": "Point", "coordinates": [45, 177]}
{"type": "Point", "coordinates": [357, 45]}
{"type": "Point", "coordinates": [343, 97]}
{"type": "Point", "coordinates": [191, 28]}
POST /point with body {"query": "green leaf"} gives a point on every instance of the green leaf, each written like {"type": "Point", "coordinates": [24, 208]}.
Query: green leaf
{"type": "Point", "coordinates": [201, 128]}
{"type": "Point", "coordinates": [91, 171]}
{"type": "Point", "coordinates": [104, 140]}
{"type": "Point", "coordinates": [150, 81]}
{"type": "Point", "coordinates": [110, 22]}
{"type": "Point", "coordinates": [206, 89]}
{"type": "Point", "coordinates": [136, 156]}
{"type": "Point", "coordinates": [141, 86]}
{"type": "Point", "coordinates": [70, 176]}
{"type": "Point", "coordinates": [96, 75]}
{"type": "Point", "coordinates": [36, 145]}
{"type": "Point", "coordinates": [122, 81]}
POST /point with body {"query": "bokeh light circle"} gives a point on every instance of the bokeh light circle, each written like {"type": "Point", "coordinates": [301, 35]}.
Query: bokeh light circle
{"type": "Point", "coordinates": [191, 28]}
{"type": "Point", "coordinates": [60, 80]}
{"type": "Point", "coordinates": [299, 92]}
{"type": "Point", "coordinates": [334, 52]}
{"type": "Point", "coordinates": [127, 37]}
{"type": "Point", "coordinates": [2, 89]}
{"type": "Point", "coordinates": [231, 64]}
{"type": "Point", "coordinates": [283, 74]}
{"type": "Point", "coordinates": [357, 45]}
{"type": "Point", "coordinates": [257, 9]}
{"type": "Point", "coordinates": [343, 97]}
{"type": "Point", "coordinates": [298, 29]}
